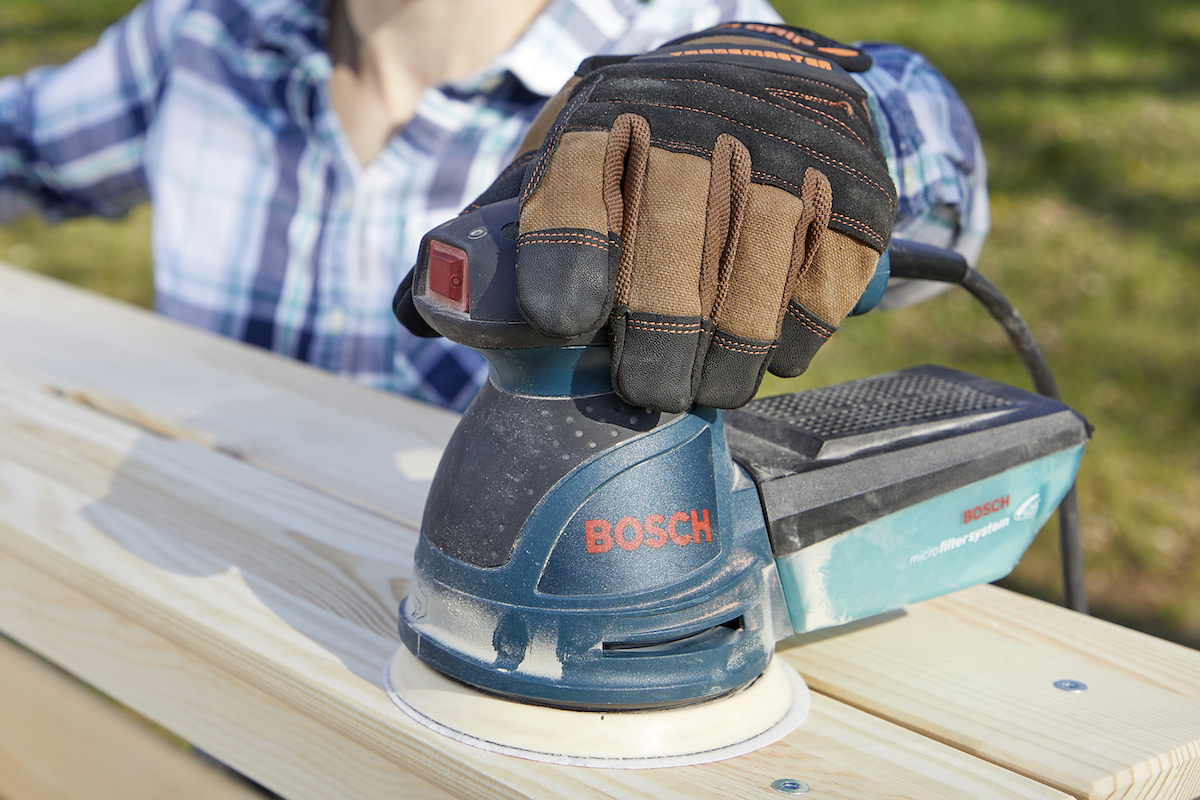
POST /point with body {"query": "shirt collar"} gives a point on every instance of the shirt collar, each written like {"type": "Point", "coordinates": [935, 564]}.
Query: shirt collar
{"type": "Point", "coordinates": [568, 31]}
{"type": "Point", "coordinates": [564, 33]}
{"type": "Point", "coordinates": [547, 54]}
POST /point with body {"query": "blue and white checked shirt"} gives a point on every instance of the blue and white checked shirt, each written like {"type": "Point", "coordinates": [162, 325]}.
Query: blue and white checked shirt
{"type": "Point", "coordinates": [267, 229]}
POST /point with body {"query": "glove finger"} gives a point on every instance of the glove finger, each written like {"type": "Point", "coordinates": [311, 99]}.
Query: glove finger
{"type": "Point", "coordinates": [728, 192]}
{"type": "Point", "coordinates": [569, 247]}
{"type": "Point", "coordinates": [658, 323]}
{"type": "Point", "coordinates": [753, 291]}
{"type": "Point", "coordinates": [840, 270]}
{"type": "Point", "coordinates": [801, 332]}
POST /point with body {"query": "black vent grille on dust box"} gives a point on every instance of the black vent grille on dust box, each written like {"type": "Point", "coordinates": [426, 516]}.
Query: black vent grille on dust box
{"type": "Point", "coordinates": [830, 459]}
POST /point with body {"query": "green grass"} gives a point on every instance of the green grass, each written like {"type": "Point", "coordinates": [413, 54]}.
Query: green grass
{"type": "Point", "coordinates": [1090, 116]}
{"type": "Point", "coordinates": [109, 258]}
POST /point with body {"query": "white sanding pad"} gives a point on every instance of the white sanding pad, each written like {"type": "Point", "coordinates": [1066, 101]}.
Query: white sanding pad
{"type": "Point", "coordinates": [761, 714]}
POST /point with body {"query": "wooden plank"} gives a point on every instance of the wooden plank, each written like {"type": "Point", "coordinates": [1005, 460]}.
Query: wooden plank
{"type": "Point", "coordinates": [59, 741]}
{"type": "Point", "coordinates": [841, 752]}
{"type": "Point", "coordinates": [978, 669]}
{"type": "Point", "coordinates": [244, 610]}
{"type": "Point", "coordinates": [1049, 627]}
{"type": "Point", "coordinates": [185, 383]}
{"type": "Point", "coordinates": [289, 752]}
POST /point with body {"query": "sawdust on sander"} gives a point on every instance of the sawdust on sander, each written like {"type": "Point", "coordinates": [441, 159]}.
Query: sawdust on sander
{"type": "Point", "coordinates": [761, 714]}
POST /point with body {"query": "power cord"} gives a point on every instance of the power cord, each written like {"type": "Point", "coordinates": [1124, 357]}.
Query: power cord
{"type": "Point", "coordinates": [925, 262]}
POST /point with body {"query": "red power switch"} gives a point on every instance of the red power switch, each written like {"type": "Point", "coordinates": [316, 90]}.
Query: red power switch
{"type": "Point", "coordinates": [448, 276]}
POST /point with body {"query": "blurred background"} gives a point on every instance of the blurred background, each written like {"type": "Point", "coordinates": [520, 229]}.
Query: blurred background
{"type": "Point", "coordinates": [1090, 115]}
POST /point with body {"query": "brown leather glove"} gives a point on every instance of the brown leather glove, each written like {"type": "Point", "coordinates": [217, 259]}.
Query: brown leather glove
{"type": "Point", "coordinates": [721, 201]}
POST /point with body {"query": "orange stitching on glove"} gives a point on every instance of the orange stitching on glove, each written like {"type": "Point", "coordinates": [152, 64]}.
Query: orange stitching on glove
{"type": "Point", "coordinates": [544, 237]}
{"type": "Point", "coordinates": [662, 327]}
{"type": "Point", "coordinates": [806, 322]}
{"type": "Point", "coordinates": [848, 107]}
{"type": "Point", "coordinates": [555, 135]}
{"type": "Point", "coordinates": [850, 222]}
{"type": "Point", "coordinates": [839, 103]}
{"type": "Point", "coordinates": [740, 347]}
{"type": "Point", "coordinates": [603, 247]}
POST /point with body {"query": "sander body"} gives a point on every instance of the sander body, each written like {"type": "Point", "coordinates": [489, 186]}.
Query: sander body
{"type": "Point", "coordinates": [580, 553]}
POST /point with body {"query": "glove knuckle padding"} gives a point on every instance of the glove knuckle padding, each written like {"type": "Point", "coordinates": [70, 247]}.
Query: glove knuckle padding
{"type": "Point", "coordinates": [785, 129]}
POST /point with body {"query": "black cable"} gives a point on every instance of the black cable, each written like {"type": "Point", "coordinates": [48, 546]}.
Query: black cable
{"type": "Point", "coordinates": [924, 262]}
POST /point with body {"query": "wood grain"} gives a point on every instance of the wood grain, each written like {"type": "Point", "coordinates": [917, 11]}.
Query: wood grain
{"type": "Point", "coordinates": [246, 728]}
{"type": "Point", "coordinates": [60, 741]}
{"type": "Point", "coordinates": [1031, 622]}
{"type": "Point", "coordinates": [979, 668]}
{"type": "Point", "coordinates": [182, 382]}
{"type": "Point", "coordinates": [254, 616]}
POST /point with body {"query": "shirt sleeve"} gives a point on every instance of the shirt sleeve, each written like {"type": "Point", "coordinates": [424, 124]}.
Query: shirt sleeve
{"type": "Point", "coordinates": [933, 151]}
{"type": "Point", "coordinates": [72, 137]}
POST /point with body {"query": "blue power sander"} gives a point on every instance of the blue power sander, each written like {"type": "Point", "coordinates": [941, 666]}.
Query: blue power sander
{"type": "Point", "coordinates": [583, 554]}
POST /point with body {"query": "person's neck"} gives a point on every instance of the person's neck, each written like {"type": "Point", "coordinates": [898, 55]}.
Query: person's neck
{"type": "Point", "coordinates": [385, 53]}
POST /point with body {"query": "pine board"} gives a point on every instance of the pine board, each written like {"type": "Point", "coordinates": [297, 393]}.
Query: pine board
{"type": "Point", "coordinates": [978, 669]}
{"type": "Point", "coordinates": [185, 383]}
{"type": "Point", "coordinates": [60, 741]}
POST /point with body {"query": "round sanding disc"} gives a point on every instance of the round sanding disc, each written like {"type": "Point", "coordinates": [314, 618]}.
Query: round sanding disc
{"type": "Point", "coordinates": [764, 712]}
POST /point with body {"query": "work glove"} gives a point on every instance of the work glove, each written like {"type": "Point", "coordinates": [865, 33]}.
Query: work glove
{"type": "Point", "coordinates": [721, 202]}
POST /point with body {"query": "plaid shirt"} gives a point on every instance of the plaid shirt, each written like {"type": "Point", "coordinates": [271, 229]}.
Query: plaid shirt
{"type": "Point", "coordinates": [267, 229]}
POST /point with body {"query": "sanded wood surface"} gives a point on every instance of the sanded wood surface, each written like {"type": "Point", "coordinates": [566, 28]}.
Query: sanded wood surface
{"type": "Point", "coordinates": [203, 494]}
{"type": "Point", "coordinates": [60, 741]}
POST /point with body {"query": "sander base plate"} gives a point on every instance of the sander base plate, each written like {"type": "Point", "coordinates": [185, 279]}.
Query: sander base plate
{"type": "Point", "coordinates": [762, 713]}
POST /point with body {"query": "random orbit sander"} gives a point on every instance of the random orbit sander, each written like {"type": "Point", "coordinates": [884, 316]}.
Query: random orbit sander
{"type": "Point", "coordinates": [603, 585]}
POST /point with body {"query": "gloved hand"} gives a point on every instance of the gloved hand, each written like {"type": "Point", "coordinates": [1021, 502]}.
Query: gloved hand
{"type": "Point", "coordinates": [721, 201]}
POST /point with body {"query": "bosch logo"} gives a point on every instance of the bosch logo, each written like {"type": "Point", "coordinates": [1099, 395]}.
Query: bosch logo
{"type": "Point", "coordinates": [972, 514]}
{"type": "Point", "coordinates": [629, 533]}
{"type": "Point", "coordinates": [1029, 509]}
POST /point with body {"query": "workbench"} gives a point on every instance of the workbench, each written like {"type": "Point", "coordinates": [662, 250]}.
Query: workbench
{"type": "Point", "coordinates": [218, 538]}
